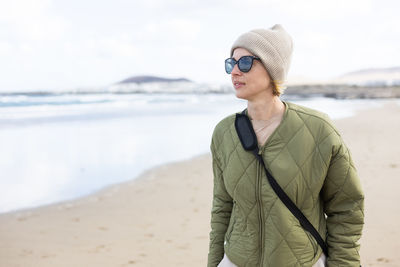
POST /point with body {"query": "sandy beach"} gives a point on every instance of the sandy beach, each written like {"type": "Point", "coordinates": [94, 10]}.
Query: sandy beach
{"type": "Point", "coordinates": [162, 218]}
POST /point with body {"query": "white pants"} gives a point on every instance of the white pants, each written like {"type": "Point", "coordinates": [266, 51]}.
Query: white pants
{"type": "Point", "coordinates": [227, 263]}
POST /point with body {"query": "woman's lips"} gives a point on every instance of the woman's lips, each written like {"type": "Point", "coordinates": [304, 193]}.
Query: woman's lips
{"type": "Point", "coordinates": [237, 85]}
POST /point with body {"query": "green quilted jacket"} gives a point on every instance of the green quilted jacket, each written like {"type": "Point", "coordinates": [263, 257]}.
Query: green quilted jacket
{"type": "Point", "coordinates": [310, 161]}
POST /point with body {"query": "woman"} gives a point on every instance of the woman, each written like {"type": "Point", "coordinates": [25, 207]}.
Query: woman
{"type": "Point", "coordinates": [250, 225]}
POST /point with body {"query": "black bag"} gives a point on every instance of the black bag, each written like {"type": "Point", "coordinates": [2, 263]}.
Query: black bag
{"type": "Point", "coordinates": [248, 139]}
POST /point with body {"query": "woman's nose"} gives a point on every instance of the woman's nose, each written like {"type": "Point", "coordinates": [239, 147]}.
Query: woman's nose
{"type": "Point", "coordinates": [235, 70]}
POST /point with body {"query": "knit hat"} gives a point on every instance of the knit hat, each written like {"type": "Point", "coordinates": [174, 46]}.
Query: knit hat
{"type": "Point", "coordinates": [273, 46]}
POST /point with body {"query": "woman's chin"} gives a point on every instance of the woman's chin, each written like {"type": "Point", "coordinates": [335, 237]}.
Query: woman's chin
{"type": "Point", "coordinates": [240, 95]}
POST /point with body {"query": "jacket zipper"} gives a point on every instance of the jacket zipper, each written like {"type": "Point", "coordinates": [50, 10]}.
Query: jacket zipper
{"type": "Point", "coordinates": [260, 213]}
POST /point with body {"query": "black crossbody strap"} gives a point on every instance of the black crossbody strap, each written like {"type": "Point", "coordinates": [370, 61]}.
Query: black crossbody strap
{"type": "Point", "coordinates": [304, 222]}
{"type": "Point", "coordinates": [243, 127]}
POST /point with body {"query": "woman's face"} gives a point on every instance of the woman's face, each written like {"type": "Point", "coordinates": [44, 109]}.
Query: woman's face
{"type": "Point", "coordinates": [253, 84]}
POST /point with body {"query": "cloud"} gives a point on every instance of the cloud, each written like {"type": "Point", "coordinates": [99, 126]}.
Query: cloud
{"type": "Point", "coordinates": [174, 30]}
{"type": "Point", "coordinates": [103, 48]}
{"type": "Point", "coordinates": [31, 20]}
{"type": "Point", "coordinates": [323, 10]}
{"type": "Point", "coordinates": [5, 48]}
{"type": "Point", "coordinates": [93, 42]}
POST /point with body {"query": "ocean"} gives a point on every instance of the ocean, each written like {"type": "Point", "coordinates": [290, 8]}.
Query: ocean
{"type": "Point", "coordinates": [60, 147]}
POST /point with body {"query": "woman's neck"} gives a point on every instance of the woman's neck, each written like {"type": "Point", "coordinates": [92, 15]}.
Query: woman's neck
{"type": "Point", "coordinates": [265, 108]}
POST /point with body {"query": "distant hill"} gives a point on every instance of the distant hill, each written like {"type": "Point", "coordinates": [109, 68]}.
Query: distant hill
{"type": "Point", "coordinates": [151, 79]}
{"type": "Point", "coordinates": [374, 71]}
{"type": "Point", "coordinates": [366, 83]}
{"type": "Point", "coordinates": [154, 84]}
{"type": "Point", "coordinates": [371, 77]}
{"type": "Point", "coordinates": [364, 77]}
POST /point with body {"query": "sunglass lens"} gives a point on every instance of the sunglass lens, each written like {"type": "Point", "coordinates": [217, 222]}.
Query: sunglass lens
{"type": "Point", "coordinates": [229, 64]}
{"type": "Point", "coordinates": [245, 63]}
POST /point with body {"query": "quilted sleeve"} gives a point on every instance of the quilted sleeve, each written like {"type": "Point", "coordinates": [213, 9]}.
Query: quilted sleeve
{"type": "Point", "coordinates": [344, 207]}
{"type": "Point", "coordinates": [220, 214]}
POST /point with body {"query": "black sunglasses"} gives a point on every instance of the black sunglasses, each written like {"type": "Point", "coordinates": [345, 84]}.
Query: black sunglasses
{"type": "Point", "coordinates": [244, 63]}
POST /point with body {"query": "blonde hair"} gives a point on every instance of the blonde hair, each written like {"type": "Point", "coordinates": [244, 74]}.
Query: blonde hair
{"type": "Point", "coordinates": [278, 88]}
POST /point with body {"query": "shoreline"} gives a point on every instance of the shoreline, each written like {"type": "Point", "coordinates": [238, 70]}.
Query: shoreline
{"type": "Point", "coordinates": [142, 175]}
{"type": "Point", "coordinates": [72, 174]}
{"type": "Point", "coordinates": [162, 216]}
{"type": "Point", "coordinates": [130, 238]}
{"type": "Point", "coordinates": [330, 90]}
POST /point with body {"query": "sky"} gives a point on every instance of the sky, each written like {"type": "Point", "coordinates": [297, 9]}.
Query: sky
{"type": "Point", "coordinates": [54, 44]}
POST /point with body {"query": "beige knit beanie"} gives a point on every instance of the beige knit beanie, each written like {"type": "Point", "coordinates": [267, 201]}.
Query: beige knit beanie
{"type": "Point", "coordinates": [273, 46]}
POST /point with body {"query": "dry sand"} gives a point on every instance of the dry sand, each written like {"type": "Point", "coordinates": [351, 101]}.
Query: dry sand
{"type": "Point", "coordinates": [162, 218]}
